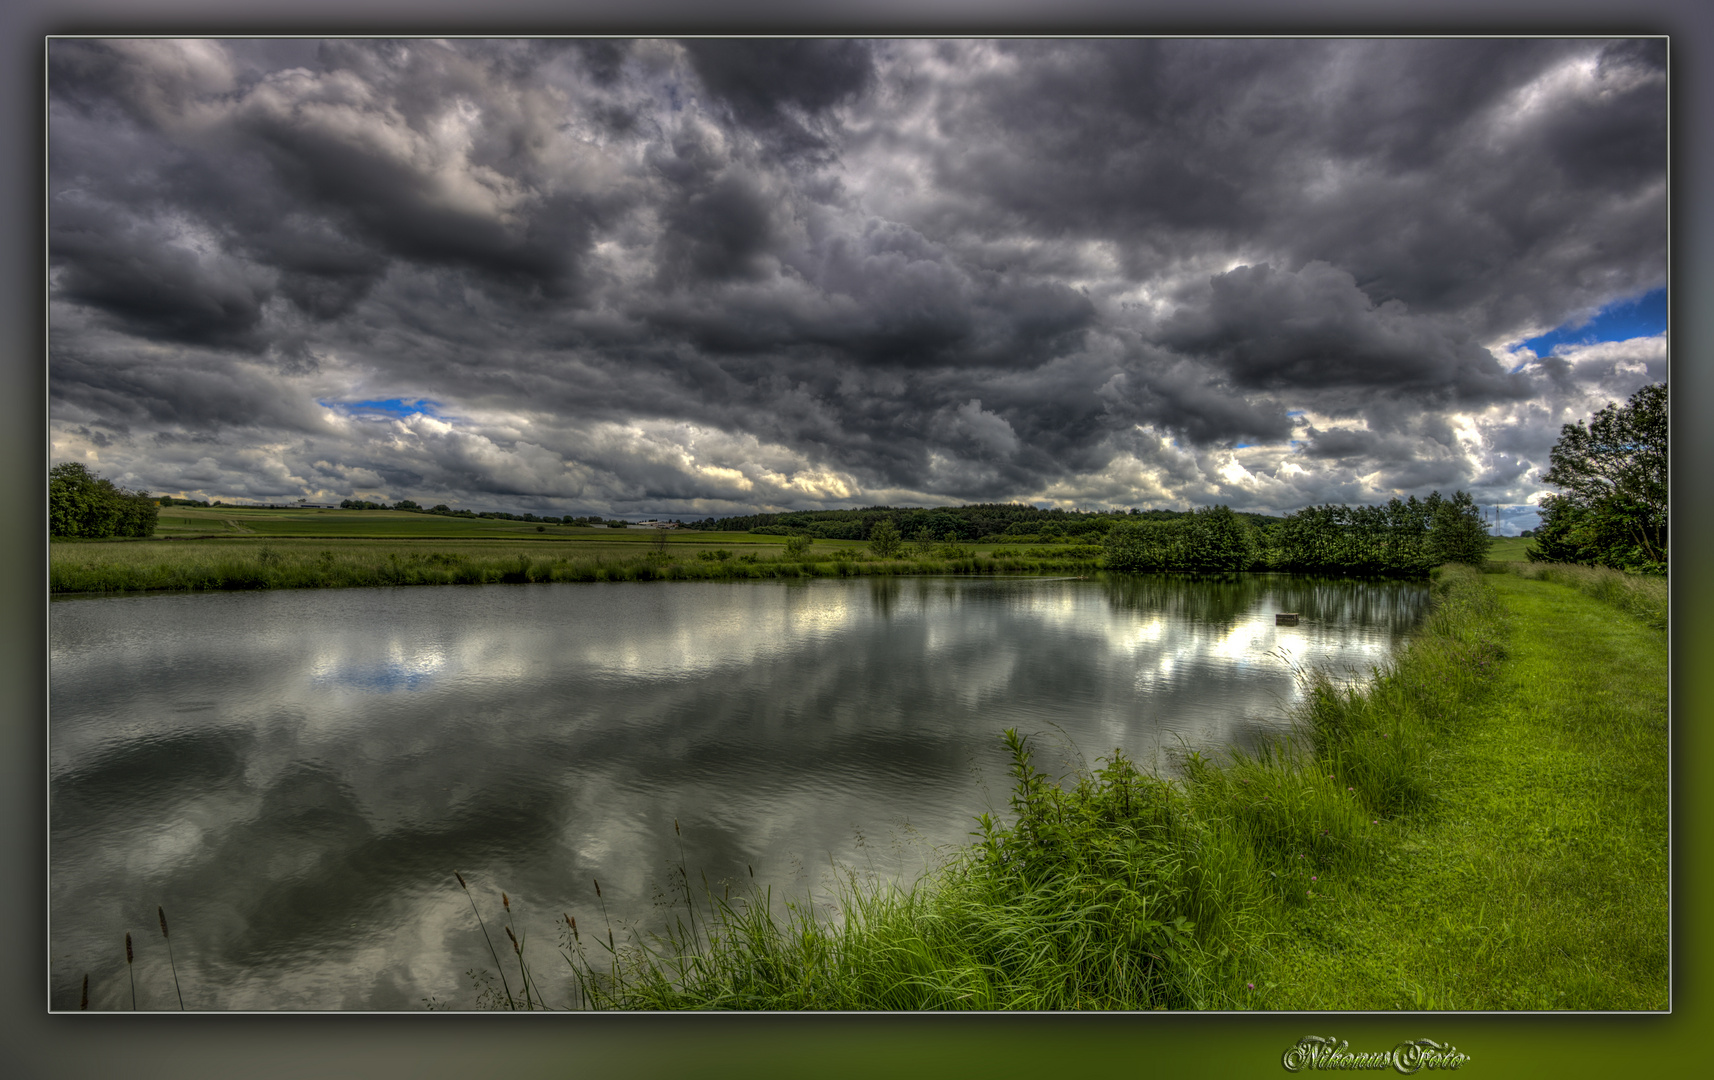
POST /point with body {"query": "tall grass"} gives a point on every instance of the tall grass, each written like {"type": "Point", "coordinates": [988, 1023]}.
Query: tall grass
{"type": "Point", "coordinates": [1111, 894]}
{"type": "Point", "coordinates": [1379, 742]}
{"type": "Point", "coordinates": [1642, 596]}
{"type": "Point", "coordinates": [188, 566]}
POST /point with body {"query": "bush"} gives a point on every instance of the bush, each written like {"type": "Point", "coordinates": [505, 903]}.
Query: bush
{"type": "Point", "coordinates": [884, 539]}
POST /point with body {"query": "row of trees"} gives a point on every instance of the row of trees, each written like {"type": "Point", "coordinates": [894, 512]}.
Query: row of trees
{"type": "Point", "coordinates": [966, 524]}
{"type": "Point", "coordinates": [1403, 538]}
{"type": "Point", "coordinates": [82, 504]}
{"type": "Point", "coordinates": [1613, 474]}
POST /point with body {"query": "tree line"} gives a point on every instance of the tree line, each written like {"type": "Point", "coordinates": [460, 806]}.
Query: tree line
{"type": "Point", "coordinates": [1402, 538]}
{"type": "Point", "coordinates": [990, 522]}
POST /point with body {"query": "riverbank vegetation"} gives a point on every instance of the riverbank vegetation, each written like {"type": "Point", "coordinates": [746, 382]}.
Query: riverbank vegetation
{"type": "Point", "coordinates": [305, 563]}
{"type": "Point", "coordinates": [1483, 826]}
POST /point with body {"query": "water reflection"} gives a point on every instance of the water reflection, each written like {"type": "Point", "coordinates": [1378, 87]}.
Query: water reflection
{"type": "Point", "coordinates": [295, 775]}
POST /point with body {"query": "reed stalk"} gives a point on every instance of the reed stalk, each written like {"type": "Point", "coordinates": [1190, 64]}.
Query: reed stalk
{"type": "Point", "coordinates": [509, 1003]}
{"type": "Point", "coordinates": [523, 972]}
{"type": "Point", "coordinates": [162, 912]}
{"type": "Point", "coordinates": [684, 878]}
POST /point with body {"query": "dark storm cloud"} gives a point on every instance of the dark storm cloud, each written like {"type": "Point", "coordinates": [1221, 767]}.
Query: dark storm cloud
{"type": "Point", "coordinates": [711, 276]}
{"type": "Point", "coordinates": [1439, 173]}
{"type": "Point", "coordinates": [151, 282]}
{"type": "Point", "coordinates": [780, 89]}
{"type": "Point", "coordinates": [1314, 329]}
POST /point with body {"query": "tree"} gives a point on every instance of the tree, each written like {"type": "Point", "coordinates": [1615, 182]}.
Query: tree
{"type": "Point", "coordinates": [1613, 475]}
{"type": "Point", "coordinates": [1220, 540]}
{"type": "Point", "coordinates": [82, 504]}
{"type": "Point", "coordinates": [1456, 531]}
{"type": "Point", "coordinates": [884, 539]}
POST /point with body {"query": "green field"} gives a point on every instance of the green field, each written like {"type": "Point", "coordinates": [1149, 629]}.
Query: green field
{"type": "Point", "coordinates": [1510, 548]}
{"type": "Point", "coordinates": [242, 522]}
{"type": "Point", "coordinates": [221, 548]}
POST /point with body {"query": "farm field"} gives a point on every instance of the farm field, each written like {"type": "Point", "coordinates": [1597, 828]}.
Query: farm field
{"type": "Point", "coordinates": [178, 522]}
{"type": "Point", "coordinates": [221, 548]}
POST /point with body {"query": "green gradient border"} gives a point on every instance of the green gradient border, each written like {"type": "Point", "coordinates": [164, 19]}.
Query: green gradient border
{"type": "Point", "coordinates": [38, 1045]}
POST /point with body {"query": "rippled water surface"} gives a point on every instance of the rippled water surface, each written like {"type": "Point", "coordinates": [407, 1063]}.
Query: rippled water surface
{"type": "Point", "coordinates": [294, 776]}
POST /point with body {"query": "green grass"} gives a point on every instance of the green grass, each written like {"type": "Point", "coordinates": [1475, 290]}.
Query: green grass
{"type": "Point", "coordinates": [1535, 876]}
{"type": "Point", "coordinates": [1483, 827]}
{"type": "Point", "coordinates": [1510, 548]}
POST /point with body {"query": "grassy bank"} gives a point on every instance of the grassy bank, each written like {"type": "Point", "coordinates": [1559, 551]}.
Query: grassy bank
{"type": "Point", "coordinates": [319, 563]}
{"type": "Point", "coordinates": [1535, 876]}
{"type": "Point", "coordinates": [1483, 828]}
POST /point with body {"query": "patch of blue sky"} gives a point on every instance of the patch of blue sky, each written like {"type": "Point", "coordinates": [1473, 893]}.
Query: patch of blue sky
{"type": "Point", "coordinates": [1642, 316]}
{"type": "Point", "coordinates": [379, 678]}
{"type": "Point", "coordinates": [387, 406]}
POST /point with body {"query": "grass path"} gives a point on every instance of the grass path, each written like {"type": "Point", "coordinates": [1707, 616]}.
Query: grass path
{"type": "Point", "coordinates": [1538, 878]}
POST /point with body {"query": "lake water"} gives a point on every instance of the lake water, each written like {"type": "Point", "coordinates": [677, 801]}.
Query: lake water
{"type": "Point", "coordinates": [295, 775]}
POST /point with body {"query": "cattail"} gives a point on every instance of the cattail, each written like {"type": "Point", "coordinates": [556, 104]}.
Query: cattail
{"type": "Point", "coordinates": [84, 1006]}
{"type": "Point", "coordinates": [750, 868]}
{"type": "Point", "coordinates": [597, 888]}
{"type": "Point", "coordinates": [131, 971]}
{"type": "Point", "coordinates": [675, 827]}
{"type": "Point", "coordinates": [162, 912]}
{"type": "Point", "coordinates": [461, 883]}
{"type": "Point", "coordinates": [506, 901]}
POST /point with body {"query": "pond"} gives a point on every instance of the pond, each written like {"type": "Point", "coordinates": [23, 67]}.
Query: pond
{"type": "Point", "coordinates": [295, 776]}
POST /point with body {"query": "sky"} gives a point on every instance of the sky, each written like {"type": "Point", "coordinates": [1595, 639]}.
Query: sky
{"type": "Point", "coordinates": [710, 277]}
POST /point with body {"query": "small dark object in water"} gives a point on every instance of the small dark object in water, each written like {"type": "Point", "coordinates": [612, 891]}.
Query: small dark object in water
{"type": "Point", "coordinates": [1286, 618]}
